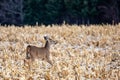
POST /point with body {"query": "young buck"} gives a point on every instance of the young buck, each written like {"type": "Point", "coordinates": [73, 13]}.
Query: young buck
{"type": "Point", "coordinates": [33, 52]}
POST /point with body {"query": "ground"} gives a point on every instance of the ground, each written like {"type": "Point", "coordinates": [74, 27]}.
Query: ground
{"type": "Point", "coordinates": [81, 53]}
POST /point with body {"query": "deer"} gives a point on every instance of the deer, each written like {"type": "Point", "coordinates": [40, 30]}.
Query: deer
{"type": "Point", "coordinates": [33, 52]}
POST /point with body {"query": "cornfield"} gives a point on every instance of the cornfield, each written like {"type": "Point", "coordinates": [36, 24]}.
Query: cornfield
{"type": "Point", "coordinates": [81, 53]}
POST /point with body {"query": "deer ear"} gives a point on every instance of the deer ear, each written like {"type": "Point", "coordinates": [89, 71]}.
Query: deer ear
{"type": "Point", "coordinates": [46, 37]}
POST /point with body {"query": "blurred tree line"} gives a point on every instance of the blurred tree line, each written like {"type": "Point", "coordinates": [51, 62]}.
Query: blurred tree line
{"type": "Point", "coordinates": [20, 12]}
{"type": "Point", "coordinates": [11, 12]}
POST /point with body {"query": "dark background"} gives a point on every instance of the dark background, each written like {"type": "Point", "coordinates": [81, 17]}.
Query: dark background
{"type": "Point", "coordinates": [22, 12]}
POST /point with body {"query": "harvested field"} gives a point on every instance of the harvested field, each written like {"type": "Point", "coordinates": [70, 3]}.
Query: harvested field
{"type": "Point", "coordinates": [81, 53]}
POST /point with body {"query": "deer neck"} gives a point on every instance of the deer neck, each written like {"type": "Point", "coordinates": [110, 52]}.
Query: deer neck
{"type": "Point", "coordinates": [47, 45]}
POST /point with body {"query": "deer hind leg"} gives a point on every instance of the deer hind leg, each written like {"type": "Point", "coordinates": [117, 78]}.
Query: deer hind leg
{"type": "Point", "coordinates": [28, 63]}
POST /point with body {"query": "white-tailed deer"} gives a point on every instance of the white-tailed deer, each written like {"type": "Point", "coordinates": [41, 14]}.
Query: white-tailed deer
{"type": "Point", "coordinates": [33, 52]}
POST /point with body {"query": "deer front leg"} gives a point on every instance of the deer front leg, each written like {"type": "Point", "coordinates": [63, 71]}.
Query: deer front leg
{"type": "Point", "coordinates": [49, 61]}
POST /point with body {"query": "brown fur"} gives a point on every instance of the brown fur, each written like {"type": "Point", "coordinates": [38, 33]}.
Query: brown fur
{"type": "Point", "coordinates": [33, 52]}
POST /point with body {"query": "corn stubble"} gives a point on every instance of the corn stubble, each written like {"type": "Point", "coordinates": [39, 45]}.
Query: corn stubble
{"type": "Point", "coordinates": [81, 53]}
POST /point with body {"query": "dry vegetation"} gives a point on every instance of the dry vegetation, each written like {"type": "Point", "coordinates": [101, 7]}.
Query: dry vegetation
{"type": "Point", "coordinates": [82, 52]}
